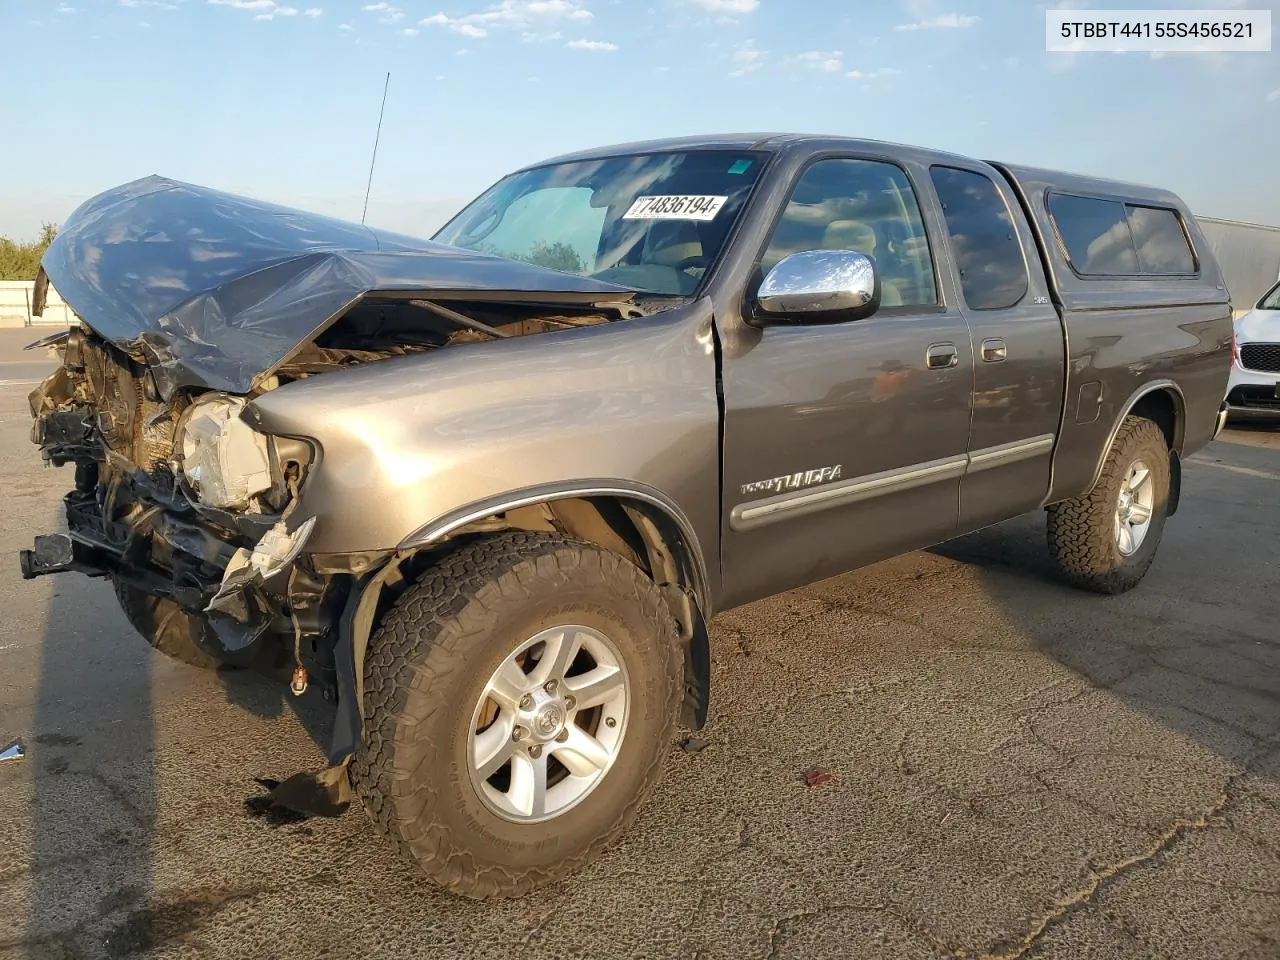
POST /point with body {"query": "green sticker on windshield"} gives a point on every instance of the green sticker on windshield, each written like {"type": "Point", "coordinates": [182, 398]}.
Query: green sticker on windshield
{"type": "Point", "coordinates": [740, 166]}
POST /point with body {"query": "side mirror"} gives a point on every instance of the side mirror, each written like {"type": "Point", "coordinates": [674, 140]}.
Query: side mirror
{"type": "Point", "coordinates": [820, 286]}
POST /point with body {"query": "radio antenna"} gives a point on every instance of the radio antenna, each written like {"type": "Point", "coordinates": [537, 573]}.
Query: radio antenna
{"type": "Point", "coordinates": [376, 137]}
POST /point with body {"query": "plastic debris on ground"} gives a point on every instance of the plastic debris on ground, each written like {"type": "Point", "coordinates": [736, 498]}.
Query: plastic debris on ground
{"type": "Point", "coordinates": [13, 751]}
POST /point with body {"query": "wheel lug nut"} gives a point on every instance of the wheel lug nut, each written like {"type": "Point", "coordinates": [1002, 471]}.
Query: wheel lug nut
{"type": "Point", "coordinates": [562, 736]}
{"type": "Point", "coordinates": [519, 733]}
{"type": "Point", "coordinates": [550, 686]}
{"type": "Point", "coordinates": [535, 751]}
{"type": "Point", "coordinates": [570, 702]}
{"type": "Point", "coordinates": [526, 702]}
{"type": "Point", "coordinates": [610, 722]}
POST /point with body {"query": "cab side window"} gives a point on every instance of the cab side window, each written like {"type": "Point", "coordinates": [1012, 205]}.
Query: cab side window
{"type": "Point", "coordinates": [984, 240]}
{"type": "Point", "coordinates": [862, 205]}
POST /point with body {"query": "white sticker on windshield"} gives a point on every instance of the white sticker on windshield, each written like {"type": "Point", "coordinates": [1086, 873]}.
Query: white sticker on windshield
{"type": "Point", "coordinates": [675, 208]}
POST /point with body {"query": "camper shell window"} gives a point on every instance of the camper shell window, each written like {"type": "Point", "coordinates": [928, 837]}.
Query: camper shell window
{"type": "Point", "coordinates": [1105, 237]}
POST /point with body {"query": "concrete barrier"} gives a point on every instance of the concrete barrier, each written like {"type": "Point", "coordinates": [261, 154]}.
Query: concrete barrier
{"type": "Point", "coordinates": [15, 306]}
{"type": "Point", "coordinates": [1249, 255]}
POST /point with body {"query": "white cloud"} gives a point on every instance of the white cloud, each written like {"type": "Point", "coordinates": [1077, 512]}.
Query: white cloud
{"type": "Point", "coordinates": [945, 21]}
{"type": "Point", "coordinates": [410, 31]}
{"type": "Point", "coordinates": [390, 14]}
{"type": "Point", "coordinates": [265, 9]}
{"type": "Point", "coordinates": [66, 8]}
{"type": "Point", "coordinates": [595, 46]}
{"type": "Point", "coordinates": [512, 14]}
{"type": "Point", "coordinates": [535, 37]}
{"type": "Point", "coordinates": [313, 11]}
{"type": "Point", "coordinates": [345, 26]}
{"type": "Point", "coordinates": [880, 73]}
{"type": "Point", "coordinates": [158, 4]}
{"type": "Point", "coordinates": [746, 59]}
{"type": "Point", "coordinates": [459, 26]}
{"type": "Point", "coordinates": [1273, 96]}
{"type": "Point", "coordinates": [245, 4]}
{"type": "Point", "coordinates": [822, 61]}
{"type": "Point", "coordinates": [728, 6]}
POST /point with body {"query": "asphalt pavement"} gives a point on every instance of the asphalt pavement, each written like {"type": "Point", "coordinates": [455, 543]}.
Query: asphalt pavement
{"type": "Point", "coordinates": [1015, 769]}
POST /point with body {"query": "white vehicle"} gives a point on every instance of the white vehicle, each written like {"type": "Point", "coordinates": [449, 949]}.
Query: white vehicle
{"type": "Point", "coordinates": [1254, 388]}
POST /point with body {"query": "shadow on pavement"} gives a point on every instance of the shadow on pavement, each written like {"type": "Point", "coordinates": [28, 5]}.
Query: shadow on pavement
{"type": "Point", "coordinates": [97, 771]}
{"type": "Point", "coordinates": [1195, 645]}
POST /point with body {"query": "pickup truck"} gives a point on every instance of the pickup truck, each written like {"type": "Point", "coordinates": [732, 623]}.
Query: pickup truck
{"type": "Point", "coordinates": [486, 491]}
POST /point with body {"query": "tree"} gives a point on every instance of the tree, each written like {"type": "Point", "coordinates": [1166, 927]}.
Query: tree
{"type": "Point", "coordinates": [21, 261]}
{"type": "Point", "coordinates": [554, 256]}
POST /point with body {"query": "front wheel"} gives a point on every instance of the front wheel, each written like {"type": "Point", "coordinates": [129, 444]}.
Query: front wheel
{"type": "Point", "coordinates": [519, 700]}
{"type": "Point", "coordinates": [178, 633]}
{"type": "Point", "coordinates": [1106, 540]}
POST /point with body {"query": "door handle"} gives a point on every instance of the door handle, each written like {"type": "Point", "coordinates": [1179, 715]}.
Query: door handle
{"type": "Point", "coordinates": [940, 356]}
{"type": "Point", "coordinates": [994, 350]}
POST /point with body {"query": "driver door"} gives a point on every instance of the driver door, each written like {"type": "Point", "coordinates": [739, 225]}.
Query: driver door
{"type": "Point", "coordinates": [852, 436]}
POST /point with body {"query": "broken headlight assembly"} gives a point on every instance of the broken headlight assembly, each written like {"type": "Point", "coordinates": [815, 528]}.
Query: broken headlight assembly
{"type": "Point", "coordinates": [224, 463]}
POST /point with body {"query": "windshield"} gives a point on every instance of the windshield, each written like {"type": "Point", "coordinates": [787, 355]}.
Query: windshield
{"type": "Point", "coordinates": [1271, 299]}
{"type": "Point", "coordinates": [650, 222]}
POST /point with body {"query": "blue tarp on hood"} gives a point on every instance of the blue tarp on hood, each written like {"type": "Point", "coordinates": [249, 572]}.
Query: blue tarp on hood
{"type": "Point", "coordinates": [217, 289]}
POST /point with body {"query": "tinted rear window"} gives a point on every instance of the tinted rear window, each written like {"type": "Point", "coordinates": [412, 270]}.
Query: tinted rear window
{"type": "Point", "coordinates": [1162, 246]}
{"type": "Point", "coordinates": [1096, 235]}
{"type": "Point", "coordinates": [984, 241]}
{"type": "Point", "coordinates": [1108, 238]}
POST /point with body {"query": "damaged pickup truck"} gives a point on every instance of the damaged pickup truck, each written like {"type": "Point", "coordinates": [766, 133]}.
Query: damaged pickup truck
{"type": "Point", "coordinates": [488, 490]}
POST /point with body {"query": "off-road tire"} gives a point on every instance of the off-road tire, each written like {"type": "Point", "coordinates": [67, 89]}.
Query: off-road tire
{"type": "Point", "coordinates": [426, 666]}
{"type": "Point", "coordinates": [177, 633]}
{"type": "Point", "coordinates": [1081, 532]}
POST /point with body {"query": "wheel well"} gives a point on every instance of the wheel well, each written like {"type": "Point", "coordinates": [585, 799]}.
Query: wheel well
{"type": "Point", "coordinates": [634, 529]}
{"type": "Point", "coordinates": [1164, 408]}
{"type": "Point", "coordinates": [645, 535]}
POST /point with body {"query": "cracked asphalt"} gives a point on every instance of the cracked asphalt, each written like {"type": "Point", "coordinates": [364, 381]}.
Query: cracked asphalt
{"type": "Point", "coordinates": [1017, 770]}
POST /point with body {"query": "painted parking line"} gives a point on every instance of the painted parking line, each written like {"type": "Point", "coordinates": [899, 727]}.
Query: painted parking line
{"type": "Point", "coordinates": [1243, 471]}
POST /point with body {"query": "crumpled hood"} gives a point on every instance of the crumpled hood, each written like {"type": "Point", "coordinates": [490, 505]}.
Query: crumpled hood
{"type": "Point", "coordinates": [217, 289]}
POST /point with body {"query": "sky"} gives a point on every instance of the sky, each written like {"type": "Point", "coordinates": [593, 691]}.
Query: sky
{"type": "Point", "coordinates": [279, 99]}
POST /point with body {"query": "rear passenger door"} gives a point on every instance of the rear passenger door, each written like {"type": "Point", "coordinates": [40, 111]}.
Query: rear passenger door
{"type": "Point", "coordinates": [1019, 352]}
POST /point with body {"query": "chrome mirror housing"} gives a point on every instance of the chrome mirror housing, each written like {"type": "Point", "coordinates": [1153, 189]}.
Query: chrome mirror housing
{"type": "Point", "coordinates": [820, 286]}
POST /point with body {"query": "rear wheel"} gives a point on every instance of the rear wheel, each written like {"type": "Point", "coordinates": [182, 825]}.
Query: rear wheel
{"type": "Point", "coordinates": [519, 699]}
{"type": "Point", "coordinates": [1106, 540]}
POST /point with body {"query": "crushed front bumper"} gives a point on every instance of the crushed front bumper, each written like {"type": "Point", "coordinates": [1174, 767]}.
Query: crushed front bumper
{"type": "Point", "coordinates": [244, 587]}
